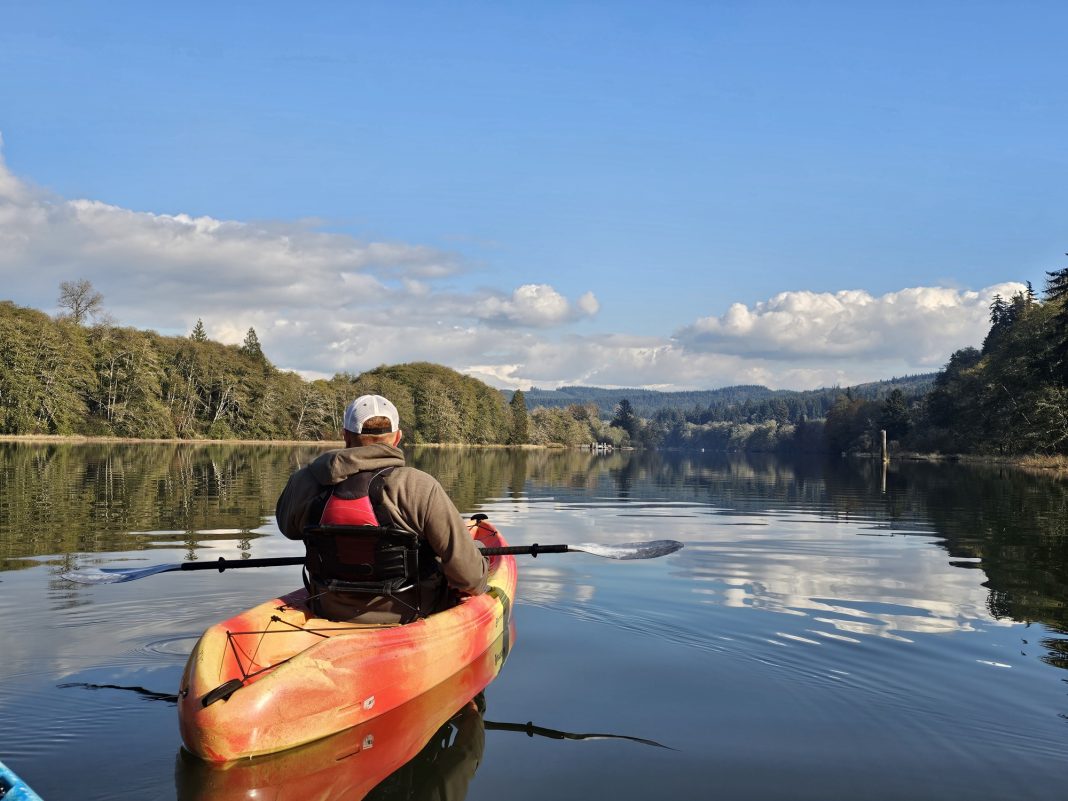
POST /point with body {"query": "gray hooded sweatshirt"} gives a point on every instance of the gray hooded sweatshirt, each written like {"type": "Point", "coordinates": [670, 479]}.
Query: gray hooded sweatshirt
{"type": "Point", "coordinates": [410, 500]}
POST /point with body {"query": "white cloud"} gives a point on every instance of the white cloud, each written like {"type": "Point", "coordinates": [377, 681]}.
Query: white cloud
{"type": "Point", "coordinates": [620, 361]}
{"type": "Point", "coordinates": [536, 305]}
{"type": "Point", "coordinates": [921, 325]}
{"type": "Point", "coordinates": [166, 270]}
{"type": "Point", "coordinates": [325, 302]}
{"type": "Point", "coordinates": [588, 305]}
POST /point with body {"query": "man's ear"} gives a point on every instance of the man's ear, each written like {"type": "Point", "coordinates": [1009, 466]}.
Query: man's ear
{"type": "Point", "coordinates": [397, 438]}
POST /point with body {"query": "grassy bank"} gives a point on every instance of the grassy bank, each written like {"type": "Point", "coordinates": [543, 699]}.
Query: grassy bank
{"type": "Point", "coordinates": [1056, 463]}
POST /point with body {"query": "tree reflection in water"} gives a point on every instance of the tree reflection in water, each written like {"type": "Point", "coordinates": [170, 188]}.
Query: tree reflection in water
{"type": "Point", "coordinates": [63, 499]}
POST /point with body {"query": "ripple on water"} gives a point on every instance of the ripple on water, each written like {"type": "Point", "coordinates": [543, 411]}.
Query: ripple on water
{"type": "Point", "coordinates": [49, 718]}
{"type": "Point", "coordinates": [180, 645]}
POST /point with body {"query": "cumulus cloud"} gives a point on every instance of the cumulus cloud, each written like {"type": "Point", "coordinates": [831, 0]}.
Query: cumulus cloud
{"type": "Point", "coordinates": [796, 340]}
{"type": "Point", "coordinates": [537, 305]}
{"type": "Point", "coordinates": [657, 363]}
{"type": "Point", "coordinates": [920, 324]}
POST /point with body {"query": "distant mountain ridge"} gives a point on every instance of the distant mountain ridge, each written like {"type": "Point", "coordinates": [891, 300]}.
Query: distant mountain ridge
{"type": "Point", "coordinates": [647, 402]}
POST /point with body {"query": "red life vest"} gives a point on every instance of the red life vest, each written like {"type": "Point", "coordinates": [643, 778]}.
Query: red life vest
{"type": "Point", "coordinates": [334, 559]}
{"type": "Point", "coordinates": [350, 504]}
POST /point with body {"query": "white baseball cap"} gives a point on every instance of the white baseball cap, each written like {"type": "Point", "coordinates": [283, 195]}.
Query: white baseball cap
{"type": "Point", "coordinates": [364, 408]}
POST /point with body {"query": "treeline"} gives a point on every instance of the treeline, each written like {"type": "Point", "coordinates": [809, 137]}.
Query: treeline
{"type": "Point", "coordinates": [579, 425]}
{"type": "Point", "coordinates": [58, 376]}
{"type": "Point", "coordinates": [796, 422]}
{"type": "Point", "coordinates": [743, 403]}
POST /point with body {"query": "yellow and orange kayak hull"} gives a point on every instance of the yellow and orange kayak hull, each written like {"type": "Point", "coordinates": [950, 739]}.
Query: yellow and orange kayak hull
{"type": "Point", "coordinates": [349, 764]}
{"type": "Point", "coordinates": [276, 676]}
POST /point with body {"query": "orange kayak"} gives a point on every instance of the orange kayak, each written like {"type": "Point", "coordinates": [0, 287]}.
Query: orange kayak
{"type": "Point", "coordinates": [348, 765]}
{"type": "Point", "coordinates": [276, 676]}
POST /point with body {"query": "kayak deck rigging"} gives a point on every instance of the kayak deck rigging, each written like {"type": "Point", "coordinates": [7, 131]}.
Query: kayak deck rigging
{"type": "Point", "coordinates": [249, 664]}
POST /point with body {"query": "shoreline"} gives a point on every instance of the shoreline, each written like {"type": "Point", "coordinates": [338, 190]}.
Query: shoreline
{"type": "Point", "coordinates": [81, 439]}
{"type": "Point", "coordinates": [1036, 462]}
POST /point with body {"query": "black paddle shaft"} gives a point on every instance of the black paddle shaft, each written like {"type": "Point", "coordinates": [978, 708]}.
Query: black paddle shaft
{"type": "Point", "coordinates": [524, 550]}
{"type": "Point", "coordinates": [222, 564]}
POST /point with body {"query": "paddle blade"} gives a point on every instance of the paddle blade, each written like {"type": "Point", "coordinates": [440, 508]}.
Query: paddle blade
{"type": "Point", "coordinates": [629, 550]}
{"type": "Point", "coordinates": [115, 575]}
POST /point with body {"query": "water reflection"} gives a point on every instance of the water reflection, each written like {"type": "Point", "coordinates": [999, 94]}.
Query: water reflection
{"type": "Point", "coordinates": [59, 499]}
{"type": "Point", "coordinates": [754, 523]}
{"type": "Point", "coordinates": [852, 629]}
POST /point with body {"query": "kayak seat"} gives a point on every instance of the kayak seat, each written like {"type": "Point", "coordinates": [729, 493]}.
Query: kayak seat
{"type": "Point", "coordinates": [368, 560]}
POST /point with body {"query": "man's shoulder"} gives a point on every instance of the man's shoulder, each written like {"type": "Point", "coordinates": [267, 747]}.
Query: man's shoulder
{"type": "Point", "coordinates": [413, 475]}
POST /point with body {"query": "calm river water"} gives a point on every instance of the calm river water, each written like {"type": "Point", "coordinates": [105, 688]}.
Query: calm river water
{"type": "Point", "coordinates": [828, 632]}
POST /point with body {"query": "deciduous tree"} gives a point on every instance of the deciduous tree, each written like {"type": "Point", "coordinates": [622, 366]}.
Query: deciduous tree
{"type": "Point", "coordinates": [80, 300]}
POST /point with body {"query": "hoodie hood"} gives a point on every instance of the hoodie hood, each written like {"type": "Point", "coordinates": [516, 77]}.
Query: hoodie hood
{"type": "Point", "coordinates": [333, 467]}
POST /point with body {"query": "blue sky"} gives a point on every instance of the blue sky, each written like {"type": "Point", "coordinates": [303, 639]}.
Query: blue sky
{"type": "Point", "coordinates": [651, 169]}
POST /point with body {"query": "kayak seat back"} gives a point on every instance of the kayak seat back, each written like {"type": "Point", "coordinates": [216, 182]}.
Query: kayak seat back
{"type": "Point", "coordinates": [370, 560]}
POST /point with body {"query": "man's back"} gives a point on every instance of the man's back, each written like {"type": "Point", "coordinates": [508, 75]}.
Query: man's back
{"type": "Point", "coordinates": [404, 498]}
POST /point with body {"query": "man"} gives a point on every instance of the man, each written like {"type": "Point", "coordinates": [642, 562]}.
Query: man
{"type": "Point", "coordinates": [366, 483]}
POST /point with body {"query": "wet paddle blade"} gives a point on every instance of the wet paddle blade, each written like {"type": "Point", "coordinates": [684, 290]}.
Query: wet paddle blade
{"type": "Point", "coordinates": [115, 575]}
{"type": "Point", "coordinates": [629, 550]}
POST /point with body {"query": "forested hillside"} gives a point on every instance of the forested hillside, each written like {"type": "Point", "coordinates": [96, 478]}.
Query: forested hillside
{"type": "Point", "coordinates": [58, 376]}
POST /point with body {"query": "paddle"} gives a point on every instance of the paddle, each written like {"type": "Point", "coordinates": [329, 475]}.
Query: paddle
{"type": "Point", "coordinates": [117, 575]}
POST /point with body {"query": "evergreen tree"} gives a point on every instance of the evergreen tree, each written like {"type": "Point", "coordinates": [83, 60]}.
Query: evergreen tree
{"type": "Point", "coordinates": [625, 418]}
{"type": "Point", "coordinates": [1057, 284]}
{"type": "Point", "coordinates": [894, 417]}
{"type": "Point", "coordinates": [1002, 317]}
{"type": "Point", "coordinates": [251, 345]}
{"type": "Point", "coordinates": [519, 431]}
{"type": "Point", "coordinates": [199, 334]}
{"type": "Point", "coordinates": [997, 310]}
{"type": "Point", "coordinates": [1017, 307]}
{"type": "Point", "coordinates": [1057, 293]}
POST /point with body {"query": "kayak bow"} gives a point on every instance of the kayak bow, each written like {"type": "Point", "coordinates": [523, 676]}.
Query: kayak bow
{"type": "Point", "coordinates": [276, 676]}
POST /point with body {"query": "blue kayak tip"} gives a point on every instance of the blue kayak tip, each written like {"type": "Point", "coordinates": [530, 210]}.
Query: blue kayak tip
{"type": "Point", "coordinates": [12, 788]}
